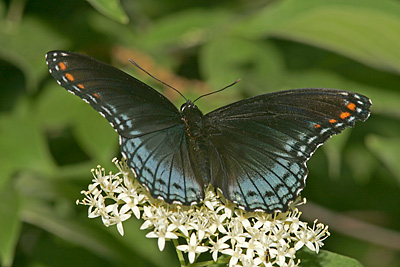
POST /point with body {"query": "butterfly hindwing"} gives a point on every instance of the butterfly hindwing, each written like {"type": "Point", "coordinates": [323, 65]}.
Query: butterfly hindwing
{"type": "Point", "coordinates": [260, 145]}
{"type": "Point", "coordinates": [152, 138]}
{"type": "Point", "coordinates": [162, 162]}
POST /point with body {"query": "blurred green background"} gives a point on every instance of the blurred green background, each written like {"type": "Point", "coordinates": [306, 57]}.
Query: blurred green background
{"type": "Point", "coordinates": [49, 139]}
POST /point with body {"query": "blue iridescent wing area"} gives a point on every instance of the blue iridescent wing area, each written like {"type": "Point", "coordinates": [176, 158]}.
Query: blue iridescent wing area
{"type": "Point", "coordinates": [162, 162]}
{"type": "Point", "coordinates": [152, 138]}
{"type": "Point", "coordinates": [259, 146]}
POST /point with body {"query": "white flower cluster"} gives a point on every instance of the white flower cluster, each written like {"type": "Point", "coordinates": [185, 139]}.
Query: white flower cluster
{"type": "Point", "coordinates": [215, 226]}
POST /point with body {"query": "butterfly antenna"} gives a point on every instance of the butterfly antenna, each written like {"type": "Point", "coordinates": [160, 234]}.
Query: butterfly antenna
{"type": "Point", "coordinates": [158, 80]}
{"type": "Point", "coordinates": [232, 84]}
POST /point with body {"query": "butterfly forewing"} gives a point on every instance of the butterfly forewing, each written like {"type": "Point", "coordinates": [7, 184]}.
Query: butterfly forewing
{"type": "Point", "coordinates": [260, 145]}
{"type": "Point", "coordinates": [152, 138]}
{"type": "Point", "coordinates": [132, 107]}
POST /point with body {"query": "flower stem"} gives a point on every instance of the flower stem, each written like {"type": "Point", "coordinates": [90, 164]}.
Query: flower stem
{"type": "Point", "coordinates": [179, 253]}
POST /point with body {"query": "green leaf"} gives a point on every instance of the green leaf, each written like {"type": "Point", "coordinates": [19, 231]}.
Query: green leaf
{"type": "Point", "coordinates": [111, 9]}
{"type": "Point", "coordinates": [362, 29]}
{"type": "Point", "coordinates": [227, 58]}
{"type": "Point", "coordinates": [388, 151]}
{"type": "Point", "coordinates": [94, 236]}
{"type": "Point", "coordinates": [25, 45]}
{"type": "Point", "coordinates": [97, 137]}
{"type": "Point", "coordinates": [363, 163]}
{"type": "Point", "coordinates": [334, 150]}
{"type": "Point", "coordinates": [184, 29]}
{"type": "Point", "coordinates": [22, 145]}
{"type": "Point", "coordinates": [59, 109]}
{"type": "Point", "coordinates": [10, 225]}
{"type": "Point", "coordinates": [2, 9]}
{"type": "Point", "coordinates": [56, 107]}
{"type": "Point", "coordinates": [385, 102]}
{"type": "Point", "coordinates": [326, 259]}
{"type": "Point", "coordinates": [135, 239]}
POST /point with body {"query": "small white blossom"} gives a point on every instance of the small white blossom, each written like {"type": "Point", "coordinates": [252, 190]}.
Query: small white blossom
{"type": "Point", "coordinates": [215, 226]}
{"type": "Point", "coordinates": [217, 247]}
{"type": "Point", "coordinates": [251, 246]}
{"type": "Point", "coordinates": [192, 248]}
{"type": "Point", "coordinates": [280, 254]}
{"type": "Point", "coordinates": [117, 217]}
{"type": "Point", "coordinates": [263, 258]}
{"type": "Point", "coordinates": [235, 233]}
{"type": "Point", "coordinates": [178, 221]}
{"type": "Point", "coordinates": [319, 234]}
{"type": "Point", "coordinates": [236, 255]}
{"type": "Point", "coordinates": [131, 203]}
{"type": "Point", "coordinates": [162, 234]}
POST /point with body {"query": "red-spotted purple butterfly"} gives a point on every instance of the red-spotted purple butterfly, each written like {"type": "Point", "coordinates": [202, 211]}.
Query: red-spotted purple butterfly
{"type": "Point", "coordinates": [254, 150]}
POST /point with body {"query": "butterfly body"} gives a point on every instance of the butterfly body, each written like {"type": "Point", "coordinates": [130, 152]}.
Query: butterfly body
{"type": "Point", "coordinates": [254, 150]}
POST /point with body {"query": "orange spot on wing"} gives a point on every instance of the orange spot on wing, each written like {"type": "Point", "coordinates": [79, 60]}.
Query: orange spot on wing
{"type": "Point", "coordinates": [332, 121]}
{"type": "Point", "coordinates": [351, 106]}
{"type": "Point", "coordinates": [344, 115]}
{"type": "Point", "coordinates": [62, 65]}
{"type": "Point", "coordinates": [316, 126]}
{"type": "Point", "coordinates": [80, 86]}
{"type": "Point", "coordinates": [96, 95]}
{"type": "Point", "coordinates": [70, 77]}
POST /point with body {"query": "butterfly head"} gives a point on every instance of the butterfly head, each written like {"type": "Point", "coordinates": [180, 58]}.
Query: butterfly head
{"type": "Point", "coordinates": [190, 109]}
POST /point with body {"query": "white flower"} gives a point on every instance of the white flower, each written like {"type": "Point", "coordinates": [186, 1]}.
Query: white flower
{"type": "Point", "coordinates": [117, 217]}
{"type": "Point", "coordinates": [219, 221]}
{"type": "Point", "coordinates": [202, 225]}
{"type": "Point", "coordinates": [210, 201]}
{"type": "Point", "coordinates": [294, 220]}
{"type": "Point", "coordinates": [320, 233]}
{"type": "Point", "coordinates": [241, 217]}
{"type": "Point", "coordinates": [215, 226]}
{"type": "Point", "coordinates": [263, 258]}
{"type": "Point", "coordinates": [251, 246]}
{"type": "Point", "coordinates": [280, 253]}
{"type": "Point", "coordinates": [217, 247]}
{"type": "Point", "coordinates": [303, 238]}
{"type": "Point", "coordinates": [192, 248]}
{"type": "Point", "coordinates": [131, 203]}
{"type": "Point", "coordinates": [236, 255]}
{"type": "Point", "coordinates": [93, 200]}
{"type": "Point", "coordinates": [162, 234]}
{"type": "Point", "coordinates": [235, 232]}
{"type": "Point", "coordinates": [148, 214]}
{"type": "Point", "coordinates": [178, 221]}
{"type": "Point", "coordinates": [99, 209]}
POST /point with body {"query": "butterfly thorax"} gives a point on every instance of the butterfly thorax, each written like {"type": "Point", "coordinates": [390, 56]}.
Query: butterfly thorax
{"type": "Point", "coordinates": [192, 119]}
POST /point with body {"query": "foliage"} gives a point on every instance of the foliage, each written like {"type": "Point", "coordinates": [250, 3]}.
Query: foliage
{"type": "Point", "coordinates": [49, 140]}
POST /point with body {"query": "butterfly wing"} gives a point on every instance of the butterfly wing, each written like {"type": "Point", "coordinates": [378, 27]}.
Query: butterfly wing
{"type": "Point", "coordinates": [259, 146]}
{"type": "Point", "coordinates": [152, 137]}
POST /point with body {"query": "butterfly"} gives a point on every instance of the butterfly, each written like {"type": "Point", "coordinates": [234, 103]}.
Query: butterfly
{"type": "Point", "coordinates": [254, 150]}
